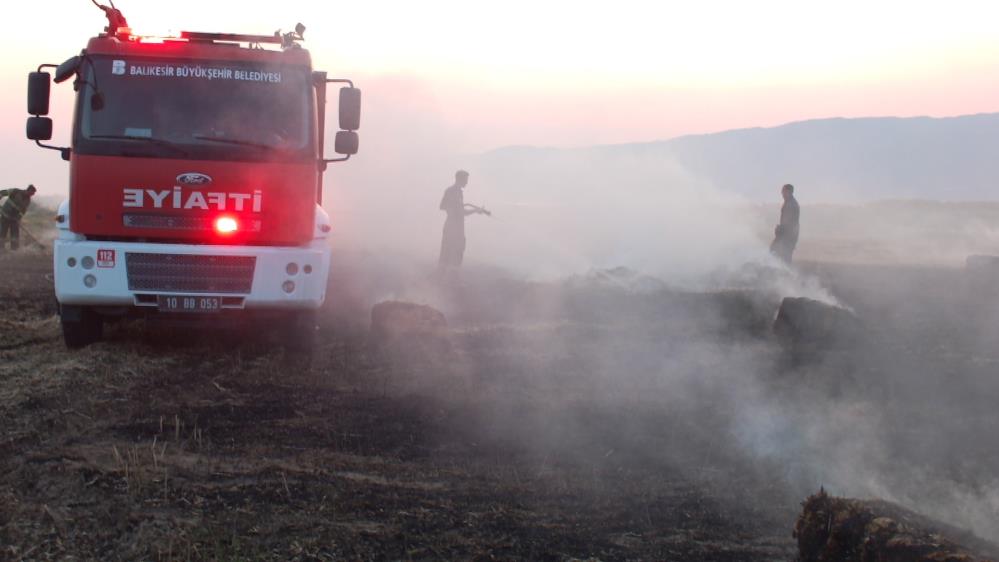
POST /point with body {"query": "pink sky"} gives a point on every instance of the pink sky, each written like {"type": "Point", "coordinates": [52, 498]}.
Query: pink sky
{"type": "Point", "coordinates": [466, 77]}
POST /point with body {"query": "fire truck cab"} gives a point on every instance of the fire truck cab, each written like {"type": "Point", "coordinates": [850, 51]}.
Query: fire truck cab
{"type": "Point", "coordinates": [195, 178]}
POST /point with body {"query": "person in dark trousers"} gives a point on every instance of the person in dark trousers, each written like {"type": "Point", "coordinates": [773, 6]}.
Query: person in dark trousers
{"type": "Point", "coordinates": [786, 233]}
{"type": "Point", "coordinates": [11, 213]}
{"type": "Point", "coordinates": [453, 203]}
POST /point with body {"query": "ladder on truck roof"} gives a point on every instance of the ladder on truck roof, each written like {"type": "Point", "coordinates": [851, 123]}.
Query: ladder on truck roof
{"type": "Point", "coordinates": [286, 40]}
{"type": "Point", "coordinates": [230, 37]}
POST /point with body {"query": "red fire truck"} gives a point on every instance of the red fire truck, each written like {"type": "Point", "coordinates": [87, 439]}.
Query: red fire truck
{"type": "Point", "coordinates": [195, 182]}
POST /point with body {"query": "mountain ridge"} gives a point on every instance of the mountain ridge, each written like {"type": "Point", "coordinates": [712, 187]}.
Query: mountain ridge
{"type": "Point", "coordinates": [835, 159]}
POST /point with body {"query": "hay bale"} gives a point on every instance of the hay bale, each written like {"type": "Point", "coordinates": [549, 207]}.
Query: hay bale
{"type": "Point", "coordinates": [804, 322]}
{"type": "Point", "coordinates": [617, 278]}
{"type": "Point", "coordinates": [982, 264]}
{"type": "Point", "coordinates": [393, 320]}
{"type": "Point", "coordinates": [982, 275]}
{"type": "Point", "coordinates": [839, 529]}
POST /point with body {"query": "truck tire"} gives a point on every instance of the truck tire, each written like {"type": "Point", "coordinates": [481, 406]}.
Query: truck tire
{"type": "Point", "coordinates": [81, 326]}
{"type": "Point", "coordinates": [300, 331]}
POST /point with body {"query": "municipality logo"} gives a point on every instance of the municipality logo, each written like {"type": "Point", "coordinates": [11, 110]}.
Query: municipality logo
{"type": "Point", "coordinates": [118, 67]}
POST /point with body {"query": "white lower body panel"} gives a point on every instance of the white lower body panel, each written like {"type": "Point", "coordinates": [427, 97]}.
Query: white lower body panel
{"type": "Point", "coordinates": [90, 273]}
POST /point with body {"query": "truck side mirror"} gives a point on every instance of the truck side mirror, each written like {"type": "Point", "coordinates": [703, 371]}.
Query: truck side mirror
{"type": "Point", "coordinates": [39, 128]}
{"type": "Point", "coordinates": [38, 93]}
{"type": "Point", "coordinates": [67, 69]}
{"type": "Point", "coordinates": [350, 110]}
{"type": "Point", "coordinates": [346, 143]}
{"type": "Point", "coordinates": [346, 140]}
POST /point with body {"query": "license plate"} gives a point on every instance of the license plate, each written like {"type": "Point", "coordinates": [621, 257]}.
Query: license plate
{"type": "Point", "coordinates": [180, 303]}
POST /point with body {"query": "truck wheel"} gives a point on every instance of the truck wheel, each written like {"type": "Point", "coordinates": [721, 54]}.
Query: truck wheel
{"type": "Point", "coordinates": [80, 326]}
{"type": "Point", "coordinates": [300, 331]}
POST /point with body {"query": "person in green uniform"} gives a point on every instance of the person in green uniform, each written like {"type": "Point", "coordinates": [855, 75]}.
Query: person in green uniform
{"type": "Point", "coordinates": [11, 212]}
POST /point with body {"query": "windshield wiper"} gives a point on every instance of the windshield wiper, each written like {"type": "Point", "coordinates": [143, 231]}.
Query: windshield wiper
{"type": "Point", "coordinates": [150, 140]}
{"type": "Point", "coordinates": [239, 142]}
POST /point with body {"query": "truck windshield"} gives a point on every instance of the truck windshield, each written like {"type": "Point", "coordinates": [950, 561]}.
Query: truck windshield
{"type": "Point", "coordinates": [199, 109]}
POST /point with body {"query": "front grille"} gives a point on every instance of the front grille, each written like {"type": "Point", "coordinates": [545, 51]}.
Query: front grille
{"type": "Point", "coordinates": [173, 222]}
{"type": "Point", "coordinates": [189, 274]}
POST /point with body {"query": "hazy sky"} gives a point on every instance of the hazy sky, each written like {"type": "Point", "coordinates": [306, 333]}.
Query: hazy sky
{"type": "Point", "coordinates": [469, 76]}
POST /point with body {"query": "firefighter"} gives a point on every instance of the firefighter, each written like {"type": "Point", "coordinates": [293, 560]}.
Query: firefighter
{"type": "Point", "coordinates": [786, 233]}
{"type": "Point", "coordinates": [453, 203]}
{"type": "Point", "coordinates": [11, 213]}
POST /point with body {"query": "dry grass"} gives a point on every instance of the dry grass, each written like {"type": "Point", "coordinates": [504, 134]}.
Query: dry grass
{"type": "Point", "coordinates": [514, 441]}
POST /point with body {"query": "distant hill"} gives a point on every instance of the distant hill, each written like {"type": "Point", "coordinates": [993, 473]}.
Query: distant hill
{"type": "Point", "coordinates": [831, 160]}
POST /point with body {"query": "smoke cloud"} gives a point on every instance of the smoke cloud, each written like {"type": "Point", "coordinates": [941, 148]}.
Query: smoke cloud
{"type": "Point", "coordinates": [630, 288]}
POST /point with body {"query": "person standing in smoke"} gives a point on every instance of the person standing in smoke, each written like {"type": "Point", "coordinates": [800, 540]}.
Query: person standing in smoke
{"type": "Point", "coordinates": [453, 240]}
{"type": "Point", "coordinates": [786, 233]}
{"type": "Point", "coordinates": [11, 213]}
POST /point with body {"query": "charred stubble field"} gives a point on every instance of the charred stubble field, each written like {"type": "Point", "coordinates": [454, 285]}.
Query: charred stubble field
{"type": "Point", "coordinates": [550, 423]}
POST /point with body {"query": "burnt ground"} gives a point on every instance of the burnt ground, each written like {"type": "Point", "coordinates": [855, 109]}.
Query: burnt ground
{"type": "Point", "coordinates": [553, 423]}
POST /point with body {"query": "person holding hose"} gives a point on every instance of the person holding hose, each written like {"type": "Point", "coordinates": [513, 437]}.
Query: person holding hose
{"type": "Point", "coordinates": [12, 212]}
{"type": "Point", "coordinates": [453, 239]}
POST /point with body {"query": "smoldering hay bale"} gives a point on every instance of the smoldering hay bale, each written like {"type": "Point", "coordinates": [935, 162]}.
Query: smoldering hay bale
{"type": "Point", "coordinates": [982, 264]}
{"type": "Point", "coordinates": [807, 322]}
{"type": "Point", "coordinates": [848, 530]}
{"type": "Point", "coordinates": [619, 278]}
{"type": "Point", "coordinates": [393, 320]}
{"type": "Point", "coordinates": [982, 274]}
{"type": "Point", "coordinates": [412, 337]}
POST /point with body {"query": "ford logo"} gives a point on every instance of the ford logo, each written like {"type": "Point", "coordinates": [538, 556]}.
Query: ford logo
{"type": "Point", "coordinates": [193, 178]}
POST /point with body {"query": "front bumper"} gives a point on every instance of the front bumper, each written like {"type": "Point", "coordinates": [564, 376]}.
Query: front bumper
{"type": "Point", "coordinates": [106, 282]}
